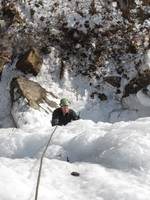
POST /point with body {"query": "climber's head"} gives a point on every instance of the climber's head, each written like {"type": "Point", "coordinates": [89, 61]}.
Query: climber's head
{"type": "Point", "coordinates": [64, 103]}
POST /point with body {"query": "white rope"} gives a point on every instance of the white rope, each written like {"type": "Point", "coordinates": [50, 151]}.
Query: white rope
{"type": "Point", "coordinates": [41, 162]}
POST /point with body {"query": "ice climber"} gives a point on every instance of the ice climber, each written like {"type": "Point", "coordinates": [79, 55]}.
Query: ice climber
{"type": "Point", "coordinates": [63, 115]}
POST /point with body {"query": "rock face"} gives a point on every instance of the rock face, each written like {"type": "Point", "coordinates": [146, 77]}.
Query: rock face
{"type": "Point", "coordinates": [142, 79]}
{"type": "Point", "coordinates": [104, 39]}
{"type": "Point", "coordinates": [10, 13]}
{"type": "Point", "coordinates": [113, 80]}
{"type": "Point", "coordinates": [136, 84]}
{"type": "Point", "coordinates": [32, 91]}
{"type": "Point", "coordinates": [31, 62]}
{"type": "Point", "coordinates": [6, 52]}
{"type": "Point", "coordinates": [5, 57]}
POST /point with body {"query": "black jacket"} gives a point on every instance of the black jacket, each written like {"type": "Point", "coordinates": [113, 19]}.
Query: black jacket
{"type": "Point", "coordinates": [58, 118]}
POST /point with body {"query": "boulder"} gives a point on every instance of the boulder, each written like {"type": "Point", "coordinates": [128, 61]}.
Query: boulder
{"type": "Point", "coordinates": [5, 57]}
{"type": "Point", "coordinates": [113, 80]}
{"type": "Point", "coordinates": [11, 14]}
{"type": "Point", "coordinates": [30, 62]}
{"type": "Point", "coordinates": [142, 79]}
{"type": "Point", "coordinates": [31, 91]}
{"type": "Point", "coordinates": [137, 83]}
{"type": "Point", "coordinates": [146, 2]}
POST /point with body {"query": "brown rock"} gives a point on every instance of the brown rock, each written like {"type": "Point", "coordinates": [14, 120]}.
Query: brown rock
{"type": "Point", "coordinates": [137, 83]}
{"type": "Point", "coordinates": [113, 80]}
{"type": "Point", "coordinates": [4, 58]}
{"type": "Point", "coordinates": [11, 14]}
{"type": "Point", "coordinates": [30, 90]}
{"type": "Point", "coordinates": [146, 2]}
{"type": "Point", "coordinates": [31, 62]}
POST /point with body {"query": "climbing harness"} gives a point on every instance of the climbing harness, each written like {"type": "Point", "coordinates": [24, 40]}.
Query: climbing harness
{"type": "Point", "coordinates": [41, 162]}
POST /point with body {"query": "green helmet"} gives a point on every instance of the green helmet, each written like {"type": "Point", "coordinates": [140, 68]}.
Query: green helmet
{"type": "Point", "coordinates": [64, 102]}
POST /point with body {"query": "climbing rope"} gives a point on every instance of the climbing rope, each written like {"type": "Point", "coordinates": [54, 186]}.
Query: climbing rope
{"type": "Point", "coordinates": [41, 162]}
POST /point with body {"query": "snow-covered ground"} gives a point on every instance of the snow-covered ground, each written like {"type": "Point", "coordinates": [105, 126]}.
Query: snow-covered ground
{"type": "Point", "coordinates": [112, 159]}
